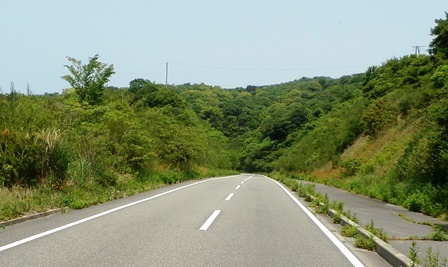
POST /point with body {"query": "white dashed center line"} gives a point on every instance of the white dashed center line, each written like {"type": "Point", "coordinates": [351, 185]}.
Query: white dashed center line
{"type": "Point", "coordinates": [237, 187]}
{"type": "Point", "coordinates": [229, 196]}
{"type": "Point", "coordinates": [210, 220]}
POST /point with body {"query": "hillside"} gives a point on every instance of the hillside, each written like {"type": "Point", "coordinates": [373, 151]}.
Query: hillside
{"type": "Point", "coordinates": [383, 133]}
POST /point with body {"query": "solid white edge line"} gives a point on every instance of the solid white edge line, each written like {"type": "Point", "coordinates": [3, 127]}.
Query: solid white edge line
{"type": "Point", "coordinates": [229, 196]}
{"type": "Point", "coordinates": [237, 187]}
{"type": "Point", "coordinates": [60, 228]}
{"type": "Point", "coordinates": [347, 253]}
{"type": "Point", "coordinates": [210, 220]}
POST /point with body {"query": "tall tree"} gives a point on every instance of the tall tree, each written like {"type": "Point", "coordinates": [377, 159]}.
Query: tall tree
{"type": "Point", "coordinates": [439, 45]}
{"type": "Point", "coordinates": [89, 80]}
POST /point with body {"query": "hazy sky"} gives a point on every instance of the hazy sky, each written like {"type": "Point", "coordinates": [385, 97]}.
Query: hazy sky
{"type": "Point", "coordinates": [230, 43]}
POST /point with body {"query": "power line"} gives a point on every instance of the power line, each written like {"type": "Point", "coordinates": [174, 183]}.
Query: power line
{"type": "Point", "coordinates": [142, 70]}
{"type": "Point", "coordinates": [266, 69]}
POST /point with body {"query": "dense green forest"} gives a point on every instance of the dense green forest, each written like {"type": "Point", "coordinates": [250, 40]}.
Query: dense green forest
{"type": "Point", "coordinates": [382, 133]}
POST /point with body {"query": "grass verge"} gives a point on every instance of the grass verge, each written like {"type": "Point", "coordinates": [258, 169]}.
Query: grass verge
{"type": "Point", "coordinates": [18, 201]}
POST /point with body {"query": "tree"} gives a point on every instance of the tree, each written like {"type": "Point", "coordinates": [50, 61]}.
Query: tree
{"type": "Point", "coordinates": [137, 84]}
{"type": "Point", "coordinates": [439, 45]}
{"type": "Point", "coordinates": [89, 80]}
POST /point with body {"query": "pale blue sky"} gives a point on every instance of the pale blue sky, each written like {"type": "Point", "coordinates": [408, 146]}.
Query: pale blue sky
{"type": "Point", "coordinates": [231, 43]}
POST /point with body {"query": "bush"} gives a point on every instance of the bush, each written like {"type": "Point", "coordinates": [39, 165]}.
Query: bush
{"type": "Point", "coordinates": [364, 242]}
{"type": "Point", "coordinates": [349, 230]}
{"type": "Point", "coordinates": [378, 232]}
{"type": "Point", "coordinates": [427, 200]}
{"type": "Point", "coordinates": [337, 218]}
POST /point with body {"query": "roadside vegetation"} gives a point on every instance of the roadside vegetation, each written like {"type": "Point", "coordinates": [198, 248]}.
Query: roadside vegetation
{"type": "Point", "coordinates": [382, 133]}
{"type": "Point", "coordinates": [351, 227]}
{"type": "Point", "coordinates": [92, 143]}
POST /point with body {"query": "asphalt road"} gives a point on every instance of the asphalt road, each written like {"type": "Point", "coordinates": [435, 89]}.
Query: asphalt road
{"type": "Point", "coordinates": [242, 220]}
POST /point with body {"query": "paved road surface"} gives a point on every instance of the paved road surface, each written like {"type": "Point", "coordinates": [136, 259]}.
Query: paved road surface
{"type": "Point", "coordinates": [242, 220]}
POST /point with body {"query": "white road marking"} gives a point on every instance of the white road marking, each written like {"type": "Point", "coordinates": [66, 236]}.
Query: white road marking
{"type": "Point", "coordinates": [210, 220]}
{"type": "Point", "coordinates": [245, 180]}
{"type": "Point", "coordinates": [63, 227]}
{"type": "Point", "coordinates": [347, 253]}
{"type": "Point", "coordinates": [229, 196]}
{"type": "Point", "coordinates": [237, 187]}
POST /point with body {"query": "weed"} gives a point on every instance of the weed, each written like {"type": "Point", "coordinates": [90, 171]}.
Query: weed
{"type": "Point", "coordinates": [413, 255]}
{"type": "Point", "coordinates": [378, 232]}
{"type": "Point", "coordinates": [308, 198]}
{"type": "Point", "coordinates": [294, 187]}
{"type": "Point", "coordinates": [337, 218]}
{"type": "Point", "coordinates": [439, 235]}
{"type": "Point", "coordinates": [351, 216]}
{"type": "Point", "coordinates": [364, 242]}
{"type": "Point", "coordinates": [305, 189]}
{"type": "Point", "coordinates": [321, 203]}
{"type": "Point", "coordinates": [431, 259]}
{"type": "Point", "coordinates": [337, 206]}
{"type": "Point", "coordinates": [406, 218]}
{"type": "Point", "coordinates": [321, 209]}
{"type": "Point", "coordinates": [349, 230]}
{"type": "Point", "coordinates": [291, 183]}
{"type": "Point", "coordinates": [434, 259]}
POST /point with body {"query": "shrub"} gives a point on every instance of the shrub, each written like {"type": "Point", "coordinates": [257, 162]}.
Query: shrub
{"type": "Point", "coordinates": [349, 230]}
{"type": "Point", "coordinates": [378, 232]}
{"type": "Point", "coordinates": [439, 235]}
{"type": "Point", "coordinates": [336, 218]}
{"type": "Point", "coordinates": [364, 242]}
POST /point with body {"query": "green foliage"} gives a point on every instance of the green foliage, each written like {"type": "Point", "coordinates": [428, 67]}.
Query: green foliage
{"type": "Point", "coordinates": [282, 119]}
{"type": "Point", "coordinates": [305, 190]}
{"type": "Point", "coordinates": [349, 230]}
{"type": "Point", "coordinates": [351, 216]}
{"type": "Point", "coordinates": [378, 232]}
{"type": "Point", "coordinates": [337, 206]}
{"type": "Point", "coordinates": [336, 218]}
{"type": "Point", "coordinates": [425, 159]}
{"type": "Point", "coordinates": [377, 117]}
{"type": "Point", "coordinates": [321, 204]}
{"type": "Point", "coordinates": [364, 242]}
{"type": "Point", "coordinates": [413, 254]}
{"type": "Point", "coordinates": [30, 148]}
{"type": "Point", "coordinates": [434, 260]}
{"type": "Point", "coordinates": [351, 166]}
{"type": "Point", "coordinates": [137, 84]}
{"type": "Point", "coordinates": [87, 154]}
{"type": "Point", "coordinates": [440, 77]}
{"type": "Point", "coordinates": [439, 234]}
{"type": "Point", "coordinates": [439, 45]}
{"type": "Point", "coordinates": [88, 80]}
{"type": "Point", "coordinates": [330, 135]}
{"type": "Point", "coordinates": [431, 259]}
{"type": "Point", "coordinates": [396, 74]}
{"type": "Point", "coordinates": [291, 183]}
{"type": "Point", "coordinates": [127, 140]}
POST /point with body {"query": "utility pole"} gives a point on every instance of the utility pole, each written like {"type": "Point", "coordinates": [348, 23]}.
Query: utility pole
{"type": "Point", "coordinates": [166, 75]}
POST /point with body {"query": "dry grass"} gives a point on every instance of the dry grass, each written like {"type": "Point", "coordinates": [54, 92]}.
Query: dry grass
{"type": "Point", "coordinates": [381, 154]}
{"type": "Point", "coordinates": [365, 147]}
{"type": "Point", "coordinates": [327, 173]}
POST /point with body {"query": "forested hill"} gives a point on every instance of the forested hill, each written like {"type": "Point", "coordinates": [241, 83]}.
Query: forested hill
{"type": "Point", "coordinates": [261, 122]}
{"type": "Point", "coordinates": [383, 133]}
